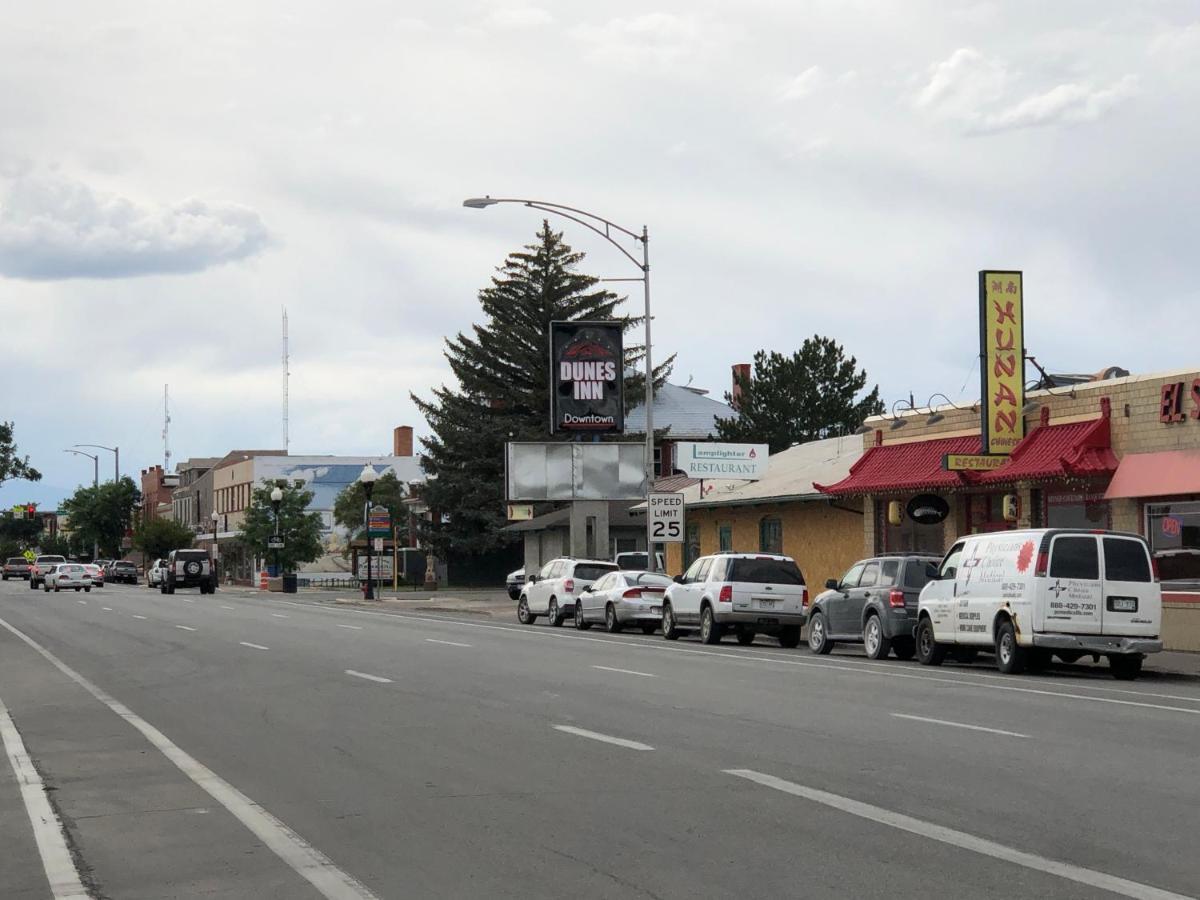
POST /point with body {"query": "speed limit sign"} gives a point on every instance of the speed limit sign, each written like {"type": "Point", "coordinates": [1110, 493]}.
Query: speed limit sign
{"type": "Point", "coordinates": [666, 517]}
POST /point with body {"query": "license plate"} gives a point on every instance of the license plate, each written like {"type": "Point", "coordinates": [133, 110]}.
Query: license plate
{"type": "Point", "coordinates": [765, 602]}
{"type": "Point", "coordinates": [1122, 604]}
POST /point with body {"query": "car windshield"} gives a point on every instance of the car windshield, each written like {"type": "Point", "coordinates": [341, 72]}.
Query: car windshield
{"type": "Point", "coordinates": [51, 559]}
{"type": "Point", "coordinates": [124, 565]}
{"type": "Point", "coordinates": [765, 570]}
{"type": "Point", "coordinates": [16, 561]}
{"type": "Point", "coordinates": [592, 571]}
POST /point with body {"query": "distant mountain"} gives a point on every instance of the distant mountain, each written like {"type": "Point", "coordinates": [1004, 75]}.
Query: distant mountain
{"type": "Point", "coordinates": [46, 496]}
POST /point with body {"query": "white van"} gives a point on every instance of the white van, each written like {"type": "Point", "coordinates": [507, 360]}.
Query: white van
{"type": "Point", "coordinates": [1029, 594]}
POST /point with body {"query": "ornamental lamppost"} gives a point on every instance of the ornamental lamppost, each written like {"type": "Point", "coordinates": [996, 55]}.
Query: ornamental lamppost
{"type": "Point", "coordinates": [276, 499]}
{"type": "Point", "coordinates": [367, 478]}
{"type": "Point", "coordinates": [215, 518]}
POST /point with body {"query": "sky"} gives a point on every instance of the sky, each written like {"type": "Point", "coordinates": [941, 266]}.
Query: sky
{"type": "Point", "coordinates": [173, 175]}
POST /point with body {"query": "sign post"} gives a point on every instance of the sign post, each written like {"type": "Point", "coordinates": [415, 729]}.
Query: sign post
{"type": "Point", "coordinates": [665, 512]}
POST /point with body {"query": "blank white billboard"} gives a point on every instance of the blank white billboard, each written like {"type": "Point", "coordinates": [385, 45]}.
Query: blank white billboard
{"type": "Point", "coordinates": [571, 471]}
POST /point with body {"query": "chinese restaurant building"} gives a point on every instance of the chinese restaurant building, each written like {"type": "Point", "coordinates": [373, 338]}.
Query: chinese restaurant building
{"type": "Point", "coordinates": [1121, 453]}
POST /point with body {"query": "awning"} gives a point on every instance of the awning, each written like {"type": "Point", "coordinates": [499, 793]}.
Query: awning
{"type": "Point", "coordinates": [1162, 474]}
{"type": "Point", "coordinates": [904, 468]}
{"type": "Point", "coordinates": [1075, 450]}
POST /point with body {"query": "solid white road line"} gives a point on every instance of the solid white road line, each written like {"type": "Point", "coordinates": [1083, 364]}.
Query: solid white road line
{"type": "Point", "coordinates": [308, 862]}
{"type": "Point", "coordinates": [138, 617]}
{"type": "Point", "coordinates": [962, 839]}
{"type": "Point", "coordinates": [47, 829]}
{"type": "Point", "coordinates": [355, 627]}
{"type": "Point", "coordinates": [368, 677]}
{"type": "Point", "coordinates": [960, 725]}
{"type": "Point", "coordinates": [608, 739]}
{"type": "Point", "coordinates": [447, 643]}
{"type": "Point", "coordinates": [253, 646]}
{"type": "Point", "coordinates": [625, 671]}
{"type": "Point", "coordinates": [185, 628]}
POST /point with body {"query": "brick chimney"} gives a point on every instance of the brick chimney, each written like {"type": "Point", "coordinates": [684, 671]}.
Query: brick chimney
{"type": "Point", "coordinates": [402, 441]}
{"type": "Point", "coordinates": [741, 372]}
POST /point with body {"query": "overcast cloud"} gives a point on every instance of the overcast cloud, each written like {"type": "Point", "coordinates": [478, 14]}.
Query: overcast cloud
{"type": "Point", "coordinates": [169, 181]}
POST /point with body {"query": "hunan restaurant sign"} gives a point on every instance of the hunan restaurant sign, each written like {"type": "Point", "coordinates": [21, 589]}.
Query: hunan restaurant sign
{"type": "Point", "coordinates": [1002, 360]}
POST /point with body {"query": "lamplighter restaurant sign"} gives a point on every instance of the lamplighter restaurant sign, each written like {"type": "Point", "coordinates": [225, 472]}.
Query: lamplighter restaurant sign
{"type": "Point", "coordinates": [741, 461]}
{"type": "Point", "coordinates": [586, 377]}
{"type": "Point", "coordinates": [1002, 360]}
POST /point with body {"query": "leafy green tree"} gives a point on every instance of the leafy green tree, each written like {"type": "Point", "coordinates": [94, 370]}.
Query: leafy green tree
{"type": "Point", "coordinates": [61, 545]}
{"type": "Point", "coordinates": [102, 514]}
{"type": "Point", "coordinates": [389, 492]}
{"type": "Point", "coordinates": [21, 533]}
{"type": "Point", "coordinates": [812, 394]}
{"type": "Point", "coordinates": [503, 389]}
{"type": "Point", "coordinates": [12, 464]}
{"type": "Point", "coordinates": [299, 528]}
{"type": "Point", "coordinates": [158, 537]}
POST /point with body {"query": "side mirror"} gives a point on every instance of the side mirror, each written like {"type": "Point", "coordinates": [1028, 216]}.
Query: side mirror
{"type": "Point", "coordinates": [831, 584]}
{"type": "Point", "coordinates": [588, 589]}
{"type": "Point", "coordinates": [948, 575]}
{"type": "Point", "coordinates": [532, 579]}
{"type": "Point", "coordinates": [678, 579]}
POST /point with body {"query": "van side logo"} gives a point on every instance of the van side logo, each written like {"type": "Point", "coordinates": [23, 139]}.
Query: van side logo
{"type": "Point", "coordinates": [1025, 556]}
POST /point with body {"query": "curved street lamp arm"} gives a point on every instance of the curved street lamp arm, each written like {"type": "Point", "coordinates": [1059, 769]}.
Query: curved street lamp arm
{"type": "Point", "coordinates": [92, 456]}
{"type": "Point", "coordinates": [603, 233]}
{"type": "Point", "coordinates": [97, 446]}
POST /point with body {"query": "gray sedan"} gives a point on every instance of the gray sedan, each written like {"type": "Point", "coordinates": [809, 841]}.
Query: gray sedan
{"type": "Point", "coordinates": [623, 598]}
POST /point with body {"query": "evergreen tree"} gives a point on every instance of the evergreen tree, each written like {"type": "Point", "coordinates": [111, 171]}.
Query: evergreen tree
{"type": "Point", "coordinates": [503, 392]}
{"type": "Point", "coordinates": [810, 395]}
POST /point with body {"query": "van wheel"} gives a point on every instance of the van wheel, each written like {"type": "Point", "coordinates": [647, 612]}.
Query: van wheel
{"type": "Point", "coordinates": [818, 634]}
{"type": "Point", "coordinates": [670, 632]}
{"type": "Point", "coordinates": [554, 615]}
{"type": "Point", "coordinates": [1010, 656]}
{"type": "Point", "coordinates": [929, 651]}
{"type": "Point", "coordinates": [745, 636]}
{"type": "Point", "coordinates": [523, 614]}
{"type": "Point", "coordinates": [904, 648]}
{"type": "Point", "coordinates": [789, 636]}
{"type": "Point", "coordinates": [878, 644]}
{"type": "Point", "coordinates": [710, 631]}
{"type": "Point", "coordinates": [1125, 668]}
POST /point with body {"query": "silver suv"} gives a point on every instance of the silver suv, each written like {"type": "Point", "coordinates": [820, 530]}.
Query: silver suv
{"type": "Point", "coordinates": [188, 569]}
{"type": "Point", "coordinates": [746, 593]}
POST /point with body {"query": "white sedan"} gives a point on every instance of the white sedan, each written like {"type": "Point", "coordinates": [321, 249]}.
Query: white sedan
{"type": "Point", "coordinates": [154, 575]}
{"type": "Point", "coordinates": [68, 575]}
{"type": "Point", "coordinates": [623, 598]}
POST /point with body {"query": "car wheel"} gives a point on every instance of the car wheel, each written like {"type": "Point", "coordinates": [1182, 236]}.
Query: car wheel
{"type": "Point", "coordinates": [745, 636]}
{"type": "Point", "coordinates": [818, 635]}
{"type": "Point", "coordinates": [77, 590]}
{"type": "Point", "coordinates": [87, 590]}
{"type": "Point", "coordinates": [554, 615]}
{"type": "Point", "coordinates": [579, 620]}
{"type": "Point", "coordinates": [710, 631]}
{"type": "Point", "coordinates": [1125, 668]}
{"type": "Point", "coordinates": [929, 651]}
{"type": "Point", "coordinates": [904, 648]}
{"type": "Point", "coordinates": [1010, 656]}
{"type": "Point", "coordinates": [670, 632]}
{"type": "Point", "coordinates": [878, 644]}
{"type": "Point", "coordinates": [789, 636]}
{"type": "Point", "coordinates": [611, 625]}
{"type": "Point", "coordinates": [523, 615]}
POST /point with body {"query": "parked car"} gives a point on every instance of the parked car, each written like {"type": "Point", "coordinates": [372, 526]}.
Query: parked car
{"type": "Point", "coordinates": [1029, 594]}
{"type": "Point", "coordinates": [514, 582]}
{"type": "Point", "coordinates": [638, 561]}
{"type": "Point", "coordinates": [16, 567]}
{"type": "Point", "coordinates": [102, 563]}
{"type": "Point", "coordinates": [623, 598]}
{"type": "Point", "coordinates": [154, 575]}
{"type": "Point", "coordinates": [122, 571]}
{"type": "Point", "coordinates": [188, 569]}
{"type": "Point", "coordinates": [746, 593]}
{"type": "Point", "coordinates": [41, 568]}
{"type": "Point", "coordinates": [67, 575]}
{"type": "Point", "coordinates": [874, 603]}
{"type": "Point", "coordinates": [552, 591]}
{"type": "Point", "coordinates": [95, 573]}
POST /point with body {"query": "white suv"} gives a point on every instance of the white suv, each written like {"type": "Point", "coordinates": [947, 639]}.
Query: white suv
{"type": "Point", "coordinates": [553, 590]}
{"type": "Point", "coordinates": [747, 593]}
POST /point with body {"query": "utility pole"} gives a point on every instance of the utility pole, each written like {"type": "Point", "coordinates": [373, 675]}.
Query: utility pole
{"type": "Point", "coordinates": [166, 432]}
{"type": "Point", "coordinates": [285, 381]}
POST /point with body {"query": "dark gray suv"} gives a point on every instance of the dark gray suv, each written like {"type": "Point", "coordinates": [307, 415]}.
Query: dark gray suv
{"type": "Point", "coordinates": [875, 604]}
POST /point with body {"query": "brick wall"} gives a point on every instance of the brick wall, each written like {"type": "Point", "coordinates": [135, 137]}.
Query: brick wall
{"type": "Point", "coordinates": [824, 540]}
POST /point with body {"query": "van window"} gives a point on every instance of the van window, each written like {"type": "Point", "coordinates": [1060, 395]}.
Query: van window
{"type": "Point", "coordinates": [1075, 557]}
{"type": "Point", "coordinates": [887, 576]}
{"type": "Point", "coordinates": [1125, 560]}
{"type": "Point", "coordinates": [870, 575]}
{"type": "Point", "coordinates": [950, 564]}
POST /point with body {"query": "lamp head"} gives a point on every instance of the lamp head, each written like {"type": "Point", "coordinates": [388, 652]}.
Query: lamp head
{"type": "Point", "coordinates": [215, 516]}
{"type": "Point", "coordinates": [368, 475]}
{"type": "Point", "coordinates": [934, 418]}
{"type": "Point", "coordinates": [897, 423]}
{"type": "Point", "coordinates": [479, 202]}
{"type": "Point", "coordinates": [864, 428]}
{"type": "Point", "coordinates": [276, 495]}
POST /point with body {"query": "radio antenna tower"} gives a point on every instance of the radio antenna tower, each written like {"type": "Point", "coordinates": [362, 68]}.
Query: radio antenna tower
{"type": "Point", "coordinates": [285, 381]}
{"type": "Point", "coordinates": [166, 432]}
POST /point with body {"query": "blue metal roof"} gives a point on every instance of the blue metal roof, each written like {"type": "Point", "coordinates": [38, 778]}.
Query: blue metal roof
{"type": "Point", "coordinates": [688, 414]}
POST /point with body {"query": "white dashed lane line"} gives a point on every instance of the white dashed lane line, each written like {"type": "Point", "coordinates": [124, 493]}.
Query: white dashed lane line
{"type": "Point", "coordinates": [106, 608]}
{"type": "Point", "coordinates": [186, 600]}
{"type": "Point", "coordinates": [81, 602]}
{"type": "Point", "coordinates": [625, 671]}
{"type": "Point", "coordinates": [228, 607]}
{"type": "Point", "coordinates": [136, 616]}
{"type": "Point", "coordinates": [185, 628]}
{"type": "Point", "coordinates": [367, 677]}
{"type": "Point", "coordinates": [279, 615]}
{"type": "Point", "coordinates": [959, 725]}
{"type": "Point", "coordinates": [605, 738]}
{"type": "Point", "coordinates": [355, 627]}
{"type": "Point", "coordinates": [447, 643]}
{"type": "Point", "coordinates": [253, 646]}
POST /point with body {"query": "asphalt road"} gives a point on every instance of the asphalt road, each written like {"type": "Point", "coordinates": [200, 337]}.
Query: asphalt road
{"type": "Point", "coordinates": [232, 746]}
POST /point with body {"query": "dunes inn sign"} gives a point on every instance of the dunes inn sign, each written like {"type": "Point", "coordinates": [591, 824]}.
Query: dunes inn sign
{"type": "Point", "coordinates": [587, 377]}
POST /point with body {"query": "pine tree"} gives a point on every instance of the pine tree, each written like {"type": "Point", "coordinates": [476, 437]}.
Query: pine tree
{"type": "Point", "coordinates": [792, 400]}
{"type": "Point", "coordinates": [503, 390]}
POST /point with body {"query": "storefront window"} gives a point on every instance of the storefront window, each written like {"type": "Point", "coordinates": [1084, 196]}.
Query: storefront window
{"type": "Point", "coordinates": [691, 544]}
{"type": "Point", "coordinates": [1173, 530]}
{"type": "Point", "coordinates": [770, 536]}
{"type": "Point", "coordinates": [1077, 511]}
{"type": "Point", "coordinates": [725, 537]}
{"type": "Point", "coordinates": [908, 535]}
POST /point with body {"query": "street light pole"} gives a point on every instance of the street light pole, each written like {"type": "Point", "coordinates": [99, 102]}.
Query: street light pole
{"type": "Point", "coordinates": [276, 499]}
{"type": "Point", "coordinates": [95, 458]}
{"type": "Point", "coordinates": [115, 451]}
{"type": "Point", "coordinates": [368, 476]}
{"type": "Point", "coordinates": [581, 216]}
{"type": "Point", "coordinates": [215, 517]}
